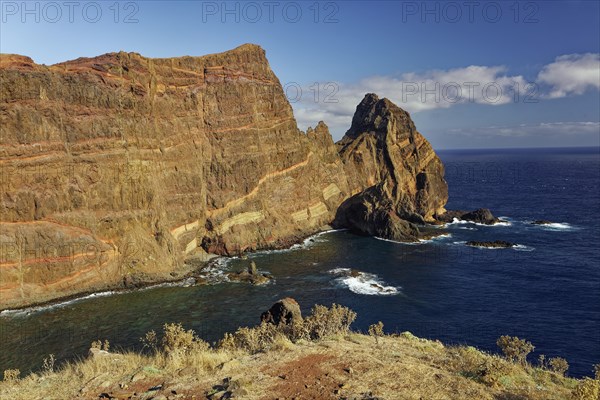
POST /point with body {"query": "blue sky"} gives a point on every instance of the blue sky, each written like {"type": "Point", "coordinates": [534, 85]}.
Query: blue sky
{"type": "Point", "coordinates": [457, 67]}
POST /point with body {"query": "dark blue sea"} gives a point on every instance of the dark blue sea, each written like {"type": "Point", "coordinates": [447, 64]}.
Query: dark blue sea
{"type": "Point", "coordinates": [546, 290]}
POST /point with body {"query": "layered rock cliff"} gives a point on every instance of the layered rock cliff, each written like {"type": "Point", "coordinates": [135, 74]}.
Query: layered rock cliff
{"type": "Point", "coordinates": [115, 169]}
{"type": "Point", "coordinates": [404, 178]}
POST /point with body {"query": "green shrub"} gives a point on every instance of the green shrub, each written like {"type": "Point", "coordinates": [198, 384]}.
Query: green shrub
{"type": "Point", "coordinates": [558, 365]}
{"type": "Point", "coordinates": [253, 340]}
{"type": "Point", "coordinates": [150, 341]}
{"type": "Point", "coordinates": [11, 375]}
{"type": "Point", "coordinates": [515, 349]}
{"type": "Point", "coordinates": [321, 323]}
{"type": "Point", "coordinates": [48, 364]}
{"type": "Point", "coordinates": [325, 321]}
{"type": "Point", "coordinates": [473, 364]}
{"type": "Point", "coordinates": [177, 340]}
{"type": "Point", "coordinates": [376, 330]}
{"type": "Point", "coordinates": [588, 389]}
{"type": "Point", "coordinates": [98, 344]}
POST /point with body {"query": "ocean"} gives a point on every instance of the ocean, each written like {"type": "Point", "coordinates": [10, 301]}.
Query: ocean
{"type": "Point", "coordinates": [546, 289]}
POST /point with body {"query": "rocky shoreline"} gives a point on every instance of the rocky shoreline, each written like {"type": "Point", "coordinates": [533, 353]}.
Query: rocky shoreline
{"type": "Point", "coordinates": [225, 172]}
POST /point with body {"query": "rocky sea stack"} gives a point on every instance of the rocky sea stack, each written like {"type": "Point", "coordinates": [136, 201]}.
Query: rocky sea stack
{"type": "Point", "coordinates": [118, 168]}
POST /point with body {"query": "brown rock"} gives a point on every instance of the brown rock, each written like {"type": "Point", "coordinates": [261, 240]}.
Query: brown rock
{"type": "Point", "coordinates": [284, 312]}
{"type": "Point", "coordinates": [481, 216]}
{"type": "Point", "coordinates": [404, 179]}
{"type": "Point", "coordinates": [491, 244]}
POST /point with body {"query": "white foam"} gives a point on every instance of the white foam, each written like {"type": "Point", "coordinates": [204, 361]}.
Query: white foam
{"type": "Point", "coordinates": [35, 309]}
{"type": "Point", "coordinates": [396, 241]}
{"type": "Point", "coordinates": [504, 221]}
{"type": "Point", "coordinates": [23, 312]}
{"type": "Point", "coordinates": [557, 226]}
{"type": "Point", "coordinates": [518, 247]}
{"type": "Point", "coordinates": [215, 271]}
{"type": "Point", "coordinates": [363, 283]}
{"type": "Point", "coordinates": [501, 223]}
{"type": "Point", "coordinates": [419, 241]}
{"type": "Point", "coordinates": [489, 248]}
{"type": "Point", "coordinates": [436, 238]}
{"type": "Point", "coordinates": [306, 243]}
{"type": "Point", "coordinates": [521, 247]}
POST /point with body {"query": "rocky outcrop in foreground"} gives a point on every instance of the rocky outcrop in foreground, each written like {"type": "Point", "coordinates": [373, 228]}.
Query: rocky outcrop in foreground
{"type": "Point", "coordinates": [117, 169]}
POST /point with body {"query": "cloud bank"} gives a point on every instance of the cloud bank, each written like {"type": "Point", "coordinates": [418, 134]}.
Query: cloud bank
{"type": "Point", "coordinates": [335, 102]}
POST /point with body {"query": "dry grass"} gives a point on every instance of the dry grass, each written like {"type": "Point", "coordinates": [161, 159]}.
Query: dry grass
{"type": "Point", "coordinates": [266, 362]}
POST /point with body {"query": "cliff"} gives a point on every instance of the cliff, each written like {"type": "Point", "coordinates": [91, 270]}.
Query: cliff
{"type": "Point", "coordinates": [404, 178]}
{"type": "Point", "coordinates": [116, 169]}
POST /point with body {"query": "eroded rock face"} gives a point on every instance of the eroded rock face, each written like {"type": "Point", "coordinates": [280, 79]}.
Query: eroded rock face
{"type": "Point", "coordinates": [404, 178]}
{"type": "Point", "coordinates": [117, 168]}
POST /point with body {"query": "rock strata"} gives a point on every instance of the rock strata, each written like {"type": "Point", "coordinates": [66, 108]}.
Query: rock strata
{"type": "Point", "coordinates": [117, 169]}
{"type": "Point", "coordinates": [398, 178]}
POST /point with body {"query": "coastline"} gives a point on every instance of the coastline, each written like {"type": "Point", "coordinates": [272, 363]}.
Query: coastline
{"type": "Point", "coordinates": [179, 281]}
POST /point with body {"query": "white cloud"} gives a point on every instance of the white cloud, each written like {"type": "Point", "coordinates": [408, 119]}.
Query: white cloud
{"type": "Point", "coordinates": [336, 102]}
{"type": "Point", "coordinates": [571, 74]}
{"type": "Point", "coordinates": [543, 129]}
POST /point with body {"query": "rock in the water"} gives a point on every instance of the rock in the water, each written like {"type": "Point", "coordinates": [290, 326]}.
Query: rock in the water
{"type": "Point", "coordinates": [541, 222]}
{"type": "Point", "coordinates": [495, 244]}
{"type": "Point", "coordinates": [480, 216]}
{"type": "Point", "coordinates": [252, 270]}
{"type": "Point", "coordinates": [247, 277]}
{"type": "Point", "coordinates": [284, 312]}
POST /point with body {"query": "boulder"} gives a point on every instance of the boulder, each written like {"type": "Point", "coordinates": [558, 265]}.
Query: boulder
{"type": "Point", "coordinates": [284, 312]}
{"type": "Point", "coordinates": [495, 244]}
{"type": "Point", "coordinates": [480, 216]}
{"type": "Point", "coordinates": [541, 222]}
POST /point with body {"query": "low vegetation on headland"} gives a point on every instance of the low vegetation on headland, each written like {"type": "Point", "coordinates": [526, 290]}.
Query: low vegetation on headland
{"type": "Point", "coordinates": [290, 357]}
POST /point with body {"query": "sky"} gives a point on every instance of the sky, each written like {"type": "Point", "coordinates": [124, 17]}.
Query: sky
{"type": "Point", "coordinates": [472, 74]}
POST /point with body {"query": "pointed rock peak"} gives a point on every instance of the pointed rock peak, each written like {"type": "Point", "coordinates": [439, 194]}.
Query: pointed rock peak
{"type": "Point", "coordinates": [368, 101]}
{"type": "Point", "coordinates": [373, 114]}
{"type": "Point", "coordinates": [322, 126]}
{"type": "Point", "coordinates": [320, 133]}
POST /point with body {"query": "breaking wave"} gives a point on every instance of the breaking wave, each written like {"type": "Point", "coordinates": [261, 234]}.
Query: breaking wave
{"type": "Point", "coordinates": [557, 226]}
{"type": "Point", "coordinates": [419, 241]}
{"type": "Point", "coordinates": [362, 282]}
